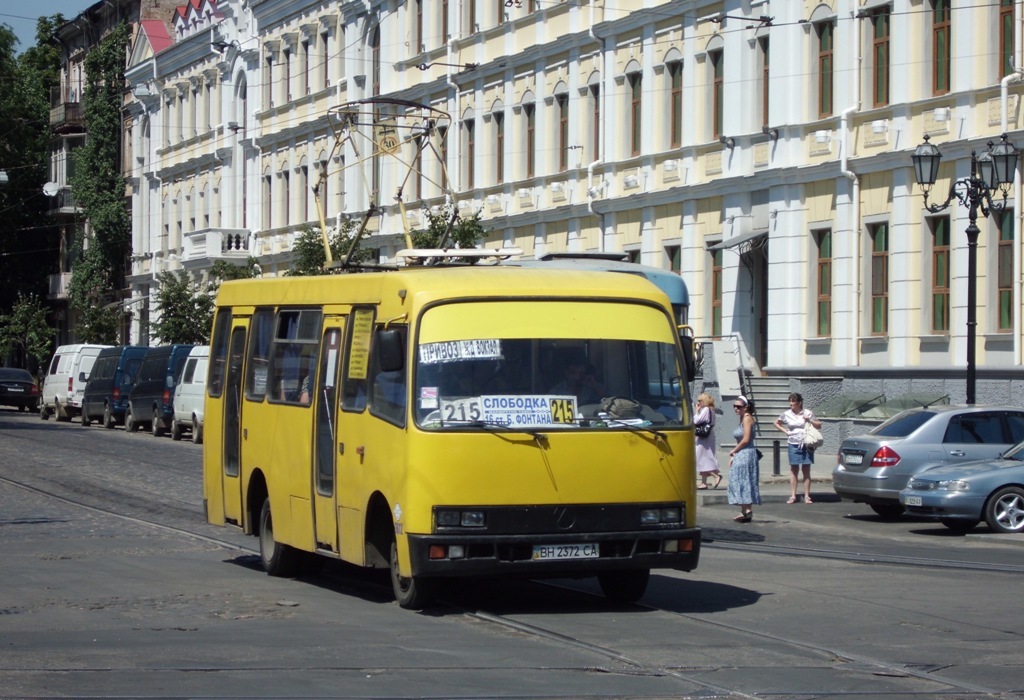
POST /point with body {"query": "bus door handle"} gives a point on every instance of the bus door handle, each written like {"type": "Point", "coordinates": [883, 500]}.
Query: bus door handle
{"type": "Point", "coordinates": [341, 448]}
{"type": "Point", "coordinates": [361, 451]}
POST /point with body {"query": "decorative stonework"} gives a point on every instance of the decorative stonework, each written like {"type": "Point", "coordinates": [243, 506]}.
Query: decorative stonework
{"type": "Point", "coordinates": [762, 154]}
{"type": "Point", "coordinates": [713, 163]}
{"type": "Point", "coordinates": [995, 111]}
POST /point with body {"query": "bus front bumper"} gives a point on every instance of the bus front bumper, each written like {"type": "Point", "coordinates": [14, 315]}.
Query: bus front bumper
{"type": "Point", "coordinates": [536, 556]}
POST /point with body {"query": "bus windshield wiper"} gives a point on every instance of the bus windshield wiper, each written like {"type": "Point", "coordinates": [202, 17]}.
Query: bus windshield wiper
{"type": "Point", "coordinates": [633, 427]}
{"type": "Point", "coordinates": [496, 426]}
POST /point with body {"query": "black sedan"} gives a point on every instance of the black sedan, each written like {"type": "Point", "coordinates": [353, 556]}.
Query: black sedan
{"type": "Point", "coordinates": [18, 388]}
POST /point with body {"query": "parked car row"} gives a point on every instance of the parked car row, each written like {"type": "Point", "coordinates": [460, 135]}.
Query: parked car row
{"type": "Point", "coordinates": [160, 388]}
{"type": "Point", "coordinates": [957, 464]}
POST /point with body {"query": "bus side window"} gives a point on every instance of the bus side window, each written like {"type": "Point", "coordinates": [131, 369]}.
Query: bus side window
{"type": "Point", "coordinates": [218, 353]}
{"type": "Point", "coordinates": [258, 362]}
{"type": "Point", "coordinates": [293, 360]}
{"type": "Point", "coordinates": [353, 386]}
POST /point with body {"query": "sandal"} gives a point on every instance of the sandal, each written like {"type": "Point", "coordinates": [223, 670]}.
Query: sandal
{"type": "Point", "coordinates": [718, 480]}
{"type": "Point", "coordinates": [807, 499]}
{"type": "Point", "coordinates": [744, 517]}
{"type": "Point", "coordinates": [702, 487]}
{"type": "Point", "coordinates": [791, 500]}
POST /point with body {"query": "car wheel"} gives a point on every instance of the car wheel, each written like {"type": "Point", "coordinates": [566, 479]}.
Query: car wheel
{"type": "Point", "coordinates": [959, 525]}
{"type": "Point", "coordinates": [61, 412]}
{"type": "Point", "coordinates": [175, 430]}
{"type": "Point", "coordinates": [129, 421]}
{"type": "Point", "coordinates": [44, 413]}
{"type": "Point", "coordinates": [887, 511]}
{"type": "Point", "coordinates": [157, 428]}
{"type": "Point", "coordinates": [412, 593]}
{"type": "Point", "coordinates": [624, 586]}
{"type": "Point", "coordinates": [197, 430]}
{"type": "Point", "coordinates": [1004, 511]}
{"type": "Point", "coordinates": [108, 418]}
{"type": "Point", "coordinates": [278, 559]}
{"type": "Point", "coordinates": [85, 418]}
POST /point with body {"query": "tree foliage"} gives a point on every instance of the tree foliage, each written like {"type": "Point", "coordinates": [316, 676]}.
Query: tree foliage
{"type": "Point", "coordinates": [97, 182]}
{"type": "Point", "coordinates": [29, 239]}
{"type": "Point", "coordinates": [185, 306]}
{"type": "Point", "coordinates": [309, 249]}
{"type": "Point", "coordinates": [24, 332]}
{"type": "Point", "coordinates": [465, 233]}
{"type": "Point", "coordinates": [97, 317]}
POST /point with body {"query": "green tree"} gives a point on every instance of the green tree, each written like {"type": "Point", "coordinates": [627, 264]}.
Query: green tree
{"type": "Point", "coordinates": [185, 308]}
{"type": "Point", "coordinates": [98, 184]}
{"type": "Point", "coordinates": [25, 332]}
{"type": "Point", "coordinates": [29, 239]}
{"type": "Point", "coordinates": [97, 315]}
{"type": "Point", "coordinates": [309, 250]}
{"type": "Point", "coordinates": [465, 233]}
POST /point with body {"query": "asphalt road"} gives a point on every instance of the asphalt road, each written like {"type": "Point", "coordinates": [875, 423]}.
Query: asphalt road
{"type": "Point", "coordinates": [114, 586]}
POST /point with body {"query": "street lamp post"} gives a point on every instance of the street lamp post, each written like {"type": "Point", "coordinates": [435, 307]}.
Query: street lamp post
{"type": "Point", "coordinates": [994, 169]}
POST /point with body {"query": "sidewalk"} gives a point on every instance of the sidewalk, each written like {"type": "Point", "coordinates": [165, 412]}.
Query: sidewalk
{"type": "Point", "coordinates": [775, 489]}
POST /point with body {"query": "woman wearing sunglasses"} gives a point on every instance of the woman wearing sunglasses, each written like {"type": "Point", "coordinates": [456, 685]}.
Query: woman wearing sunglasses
{"type": "Point", "coordinates": [744, 473]}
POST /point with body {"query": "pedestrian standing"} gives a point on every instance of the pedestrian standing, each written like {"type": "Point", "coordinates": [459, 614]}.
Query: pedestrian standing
{"type": "Point", "coordinates": [792, 422]}
{"type": "Point", "coordinates": [707, 456]}
{"type": "Point", "coordinates": [744, 471]}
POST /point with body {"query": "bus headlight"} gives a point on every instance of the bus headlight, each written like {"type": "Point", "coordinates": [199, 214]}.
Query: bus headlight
{"type": "Point", "coordinates": [661, 516]}
{"type": "Point", "coordinates": [459, 518]}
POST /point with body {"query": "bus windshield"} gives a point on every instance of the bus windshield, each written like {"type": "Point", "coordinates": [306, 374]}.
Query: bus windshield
{"type": "Point", "coordinates": [586, 381]}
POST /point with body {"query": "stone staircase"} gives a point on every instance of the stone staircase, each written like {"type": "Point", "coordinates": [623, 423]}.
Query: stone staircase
{"type": "Point", "coordinates": [771, 397]}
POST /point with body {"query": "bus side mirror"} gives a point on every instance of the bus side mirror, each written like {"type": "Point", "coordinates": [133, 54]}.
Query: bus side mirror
{"type": "Point", "coordinates": [689, 359]}
{"type": "Point", "coordinates": [390, 350]}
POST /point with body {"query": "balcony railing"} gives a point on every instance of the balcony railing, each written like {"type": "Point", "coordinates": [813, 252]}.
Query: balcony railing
{"type": "Point", "coordinates": [64, 202]}
{"type": "Point", "coordinates": [66, 114]}
{"type": "Point", "coordinates": [216, 243]}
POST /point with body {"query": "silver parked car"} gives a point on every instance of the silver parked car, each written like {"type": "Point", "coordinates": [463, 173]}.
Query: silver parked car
{"type": "Point", "coordinates": [875, 467]}
{"type": "Point", "coordinates": [962, 495]}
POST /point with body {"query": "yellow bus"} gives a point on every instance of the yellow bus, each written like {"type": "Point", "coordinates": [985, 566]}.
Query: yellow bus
{"type": "Point", "coordinates": [474, 421]}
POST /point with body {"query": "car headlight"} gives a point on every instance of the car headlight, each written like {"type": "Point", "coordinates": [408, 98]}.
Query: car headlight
{"type": "Point", "coordinates": [955, 485]}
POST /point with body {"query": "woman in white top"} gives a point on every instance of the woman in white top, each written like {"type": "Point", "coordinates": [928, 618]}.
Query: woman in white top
{"type": "Point", "coordinates": [792, 423]}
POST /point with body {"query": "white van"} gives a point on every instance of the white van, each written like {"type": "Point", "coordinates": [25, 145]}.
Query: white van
{"type": "Point", "coordinates": [64, 384]}
{"type": "Point", "coordinates": [189, 394]}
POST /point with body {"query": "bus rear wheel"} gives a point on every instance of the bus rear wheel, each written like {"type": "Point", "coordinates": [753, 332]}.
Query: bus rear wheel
{"type": "Point", "coordinates": [278, 559]}
{"type": "Point", "coordinates": [624, 586]}
{"type": "Point", "coordinates": [412, 593]}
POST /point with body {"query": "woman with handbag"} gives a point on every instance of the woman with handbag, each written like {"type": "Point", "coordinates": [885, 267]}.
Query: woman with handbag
{"type": "Point", "coordinates": [704, 430]}
{"type": "Point", "coordinates": [801, 455]}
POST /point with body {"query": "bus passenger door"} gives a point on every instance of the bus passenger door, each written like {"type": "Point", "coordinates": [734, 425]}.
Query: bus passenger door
{"type": "Point", "coordinates": [233, 499]}
{"type": "Point", "coordinates": [325, 506]}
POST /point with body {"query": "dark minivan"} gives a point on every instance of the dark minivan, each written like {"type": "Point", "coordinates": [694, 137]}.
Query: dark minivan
{"type": "Point", "coordinates": [152, 399]}
{"type": "Point", "coordinates": [111, 380]}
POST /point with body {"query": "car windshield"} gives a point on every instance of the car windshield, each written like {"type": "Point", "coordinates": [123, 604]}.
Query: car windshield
{"type": "Point", "coordinates": [10, 374]}
{"type": "Point", "coordinates": [903, 424]}
{"type": "Point", "coordinates": [550, 383]}
{"type": "Point", "coordinates": [1015, 453]}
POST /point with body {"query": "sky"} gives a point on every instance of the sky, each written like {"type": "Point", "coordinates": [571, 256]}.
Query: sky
{"type": "Point", "coordinates": [22, 16]}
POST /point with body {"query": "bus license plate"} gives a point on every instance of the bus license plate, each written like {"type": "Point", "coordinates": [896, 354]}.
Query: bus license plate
{"type": "Point", "coordinates": [911, 500]}
{"type": "Point", "coordinates": [566, 551]}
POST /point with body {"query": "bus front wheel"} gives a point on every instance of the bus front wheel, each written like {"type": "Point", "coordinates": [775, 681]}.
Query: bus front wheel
{"type": "Point", "coordinates": [278, 559]}
{"type": "Point", "coordinates": [624, 586]}
{"type": "Point", "coordinates": [412, 593]}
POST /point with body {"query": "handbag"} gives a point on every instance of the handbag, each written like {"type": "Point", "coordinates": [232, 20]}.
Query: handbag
{"type": "Point", "coordinates": [812, 437]}
{"type": "Point", "coordinates": [702, 430]}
